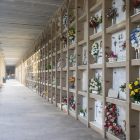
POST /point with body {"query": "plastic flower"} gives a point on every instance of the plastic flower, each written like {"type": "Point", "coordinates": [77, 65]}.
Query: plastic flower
{"type": "Point", "coordinates": [136, 83]}
{"type": "Point", "coordinates": [136, 90]}
{"type": "Point", "coordinates": [133, 93]}
{"type": "Point", "coordinates": [130, 86]}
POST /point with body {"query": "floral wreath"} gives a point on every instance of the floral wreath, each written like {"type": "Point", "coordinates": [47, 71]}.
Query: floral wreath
{"type": "Point", "coordinates": [111, 120]}
{"type": "Point", "coordinates": [112, 12]}
{"type": "Point", "coordinates": [95, 85]}
{"type": "Point", "coordinates": [95, 49]}
{"type": "Point", "coordinates": [65, 20]}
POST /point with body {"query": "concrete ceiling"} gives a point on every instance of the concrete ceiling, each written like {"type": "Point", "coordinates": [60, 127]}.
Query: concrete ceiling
{"type": "Point", "coordinates": [21, 21]}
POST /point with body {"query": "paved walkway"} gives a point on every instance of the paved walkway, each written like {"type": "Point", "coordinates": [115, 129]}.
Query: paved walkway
{"type": "Point", "coordinates": [24, 115]}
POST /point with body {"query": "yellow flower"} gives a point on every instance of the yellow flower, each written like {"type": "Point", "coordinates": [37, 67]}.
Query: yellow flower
{"type": "Point", "coordinates": [136, 90]}
{"type": "Point", "coordinates": [138, 79]}
{"type": "Point", "coordinates": [139, 88]}
{"type": "Point", "coordinates": [136, 83]}
{"type": "Point", "coordinates": [130, 86]}
{"type": "Point", "coordinates": [131, 82]}
{"type": "Point", "coordinates": [130, 94]}
{"type": "Point", "coordinates": [133, 93]}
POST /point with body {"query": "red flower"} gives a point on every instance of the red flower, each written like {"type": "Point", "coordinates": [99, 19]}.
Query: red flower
{"type": "Point", "coordinates": [89, 25]}
{"type": "Point", "coordinates": [93, 22]}
{"type": "Point", "coordinates": [113, 115]}
{"type": "Point", "coordinates": [104, 125]}
{"type": "Point", "coordinates": [117, 133]}
{"type": "Point", "coordinates": [120, 130]}
{"type": "Point", "coordinates": [95, 26]}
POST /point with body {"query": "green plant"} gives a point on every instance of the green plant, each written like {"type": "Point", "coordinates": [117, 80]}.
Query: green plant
{"type": "Point", "coordinates": [48, 67]}
{"type": "Point", "coordinates": [81, 111]}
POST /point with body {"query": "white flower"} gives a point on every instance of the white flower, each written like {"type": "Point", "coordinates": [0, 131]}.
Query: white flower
{"type": "Point", "coordinates": [96, 88]}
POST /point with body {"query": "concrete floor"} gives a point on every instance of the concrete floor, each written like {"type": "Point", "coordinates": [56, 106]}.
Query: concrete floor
{"type": "Point", "coordinates": [24, 115]}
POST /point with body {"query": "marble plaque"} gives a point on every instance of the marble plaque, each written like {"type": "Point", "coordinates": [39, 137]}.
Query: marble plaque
{"type": "Point", "coordinates": [113, 93]}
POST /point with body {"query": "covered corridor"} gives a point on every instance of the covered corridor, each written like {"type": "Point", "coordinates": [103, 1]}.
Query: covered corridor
{"type": "Point", "coordinates": [24, 115]}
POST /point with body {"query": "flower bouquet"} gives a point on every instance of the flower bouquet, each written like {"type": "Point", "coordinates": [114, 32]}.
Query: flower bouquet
{"type": "Point", "coordinates": [122, 92]}
{"type": "Point", "coordinates": [64, 101]}
{"type": "Point", "coordinates": [95, 86]}
{"type": "Point", "coordinates": [59, 63]}
{"type": "Point", "coordinates": [72, 59]}
{"type": "Point", "coordinates": [136, 5]}
{"type": "Point", "coordinates": [65, 20]}
{"type": "Point", "coordinates": [135, 40]}
{"type": "Point", "coordinates": [71, 34]}
{"type": "Point", "coordinates": [123, 87]}
{"type": "Point", "coordinates": [95, 21]}
{"type": "Point", "coordinates": [135, 87]}
{"type": "Point", "coordinates": [72, 81]}
{"type": "Point", "coordinates": [64, 41]}
{"type": "Point", "coordinates": [111, 56]}
{"type": "Point", "coordinates": [72, 103]}
{"type": "Point", "coordinates": [95, 49]}
{"type": "Point", "coordinates": [112, 13]}
{"type": "Point", "coordinates": [82, 113]}
{"type": "Point", "coordinates": [111, 120]}
{"type": "Point", "coordinates": [123, 46]}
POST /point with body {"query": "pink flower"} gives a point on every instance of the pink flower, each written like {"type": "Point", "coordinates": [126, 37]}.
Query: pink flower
{"type": "Point", "coordinates": [117, 133]}
{"type": "Point", "coordinates": [110, 127]}
{"type": "Point", "coordinates": [114, 124]}
{"type": "Point", "coordinates": [107, 113]}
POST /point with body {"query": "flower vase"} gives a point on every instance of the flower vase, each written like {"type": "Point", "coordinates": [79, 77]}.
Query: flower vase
{"type": "Point", "coordinates": [73, 41]}
{"type": "Point", "coordinates": [110, 60]}
{"type": "Point", "coordinates": [85, 114]}
{"type": "Point", "coordinates": [65, 45]}
{"type": "Point", "coordinates": [95, 30]}
{"type": "Point", "coordinates": [74, 64]}
{"type": "Point", "coordinates": [113, 21]}
{"type": "Point", "coordinates": [136, 10]}
{"type": "Point", "coordinates": [138, 53]}
{"type": "Point", "coordinates": [114, 59]}
{"type": "Point", "coordinates": [122, 95]}
{"type": "Point", "coordinates": [137, 102]}
{"type": "Point", "coordinates": [95, 92]}
{"type": "Point", "coordinates": [82, 114]}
